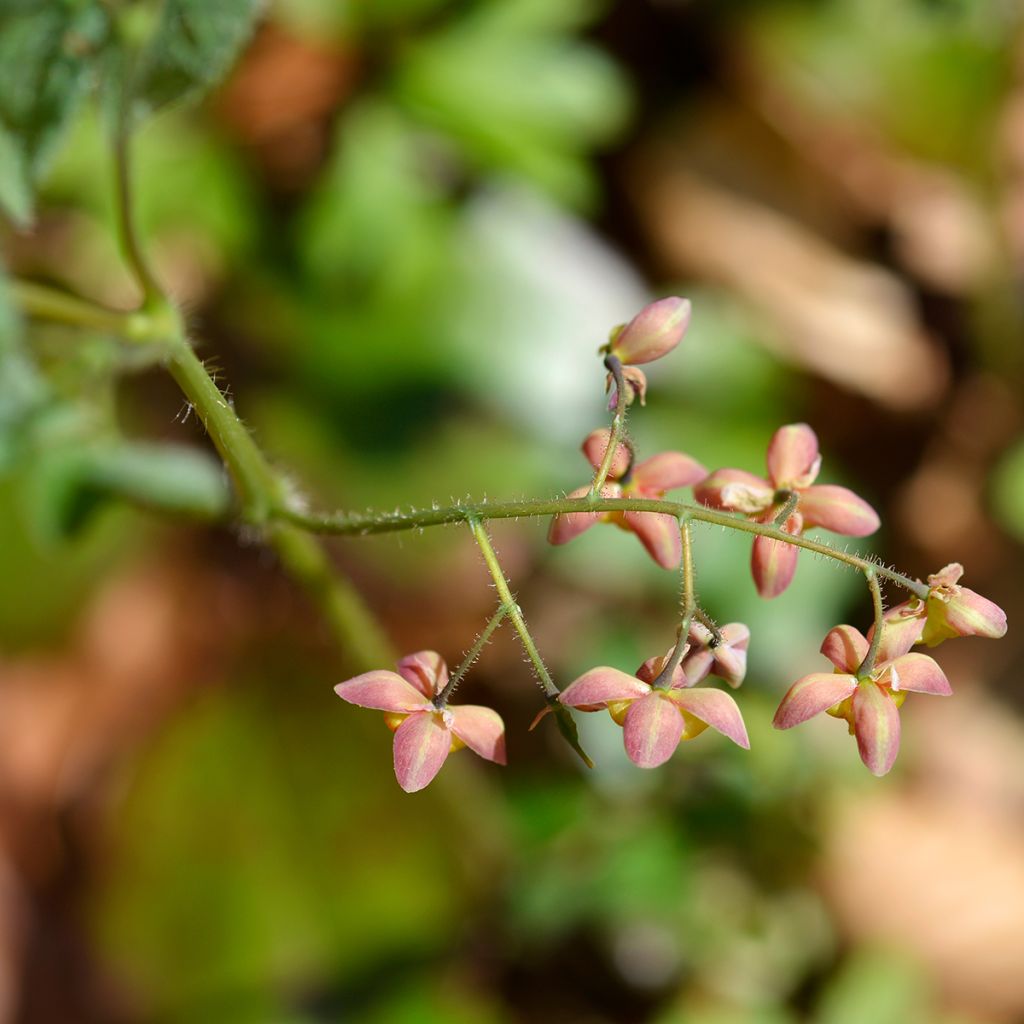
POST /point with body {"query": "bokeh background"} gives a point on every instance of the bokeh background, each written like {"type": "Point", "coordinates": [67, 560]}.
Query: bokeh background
{"type": "Point", "coordinates": [401, 228]}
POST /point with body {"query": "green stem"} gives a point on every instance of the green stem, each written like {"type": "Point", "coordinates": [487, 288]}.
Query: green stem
{"type": "Point", "coordinates": [360, 524]}
{"type": "Point", "coordinates": [41, 302]}
{"type": "Point", "coordinates": [474, 652]}
{"type": "Point", "coordinates": [710, 625]}
{"type": "Point", "coordinates": [618, 425]}
{"type": "Point", "coordinates": [687, 605]}
{"type": "Point", "coordinates": [868, 664]}
{"type": "Point", "coordinates": [792, 498]}
{"type": "Point", "coordinates": [514, 611]}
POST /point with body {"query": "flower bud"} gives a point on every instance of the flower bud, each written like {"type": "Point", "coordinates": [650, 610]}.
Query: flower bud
{"type": "Point", "coordinates": [653, 332]}
{"type": "Point", "coordinates": [957, 611]}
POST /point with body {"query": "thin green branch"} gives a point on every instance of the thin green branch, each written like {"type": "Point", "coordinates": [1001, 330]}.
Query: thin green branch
{"type": "Point", "coordinates": [868, 664]}
{"type": "Point", "coordinates": [618, 425]}
{"type": "Point", "coordinates": [40, 302]}
{"type": "Point", "coordinates": [687, 606]}
{"type": "Point", "coordinates": [792, 498]}
{"type": "Point", "coordinates": [710, 625]}
{"type": "Point", "coordinates": [471, 655]}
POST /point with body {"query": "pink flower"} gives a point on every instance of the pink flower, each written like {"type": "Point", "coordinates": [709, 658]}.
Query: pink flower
{"type": "Point", "coordinates": [651, 334]}
{"type": "Point", "coordinates": [654, 721]}
{"type": "Point", "coordinates": [651, 478]}
{"type": "Point", "coordinates": [949, 610]}
{"type": "Point", "coordinates": [425, 733]}
{"type": "Point", "coordinates": [793, 464]}
{"type": "Point", "coordinates": [727, 660]}
{"type": "Point", "coordinates": [870, 704]}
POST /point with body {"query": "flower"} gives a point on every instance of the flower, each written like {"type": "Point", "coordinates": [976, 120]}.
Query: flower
{"type": "Point", "coordinates": [869, 703]}
{"type": "Point", "coordinates": [651, 478]}
{"type": "Point", "coordinates": [425, 734]}
{"type": "Point", "coordinates": [655, 720]}
{"type": "Point", "coordinates": [651, 334]}
{"type": "Point", "coordinates": [727, 660]}
{"type": "Point", "coordinates": [949, 610]}
{"type": "Point", "coordinates": [793, 464]}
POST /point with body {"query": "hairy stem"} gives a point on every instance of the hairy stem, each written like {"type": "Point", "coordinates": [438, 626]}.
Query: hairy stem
{"type": "Point", "coordinates": [687, 605]}
{"type": "Point", "coordinates": [868, 664]}
{"type": "Point", "coordinates": [618, 425]}
{"type": "Point", "coordinates": [474, 652]}
{"type": "Point", "coordinates": [792, 498]}
{"type": "Point", "coordinates": [514, 612]}
{"type": "Point", "coordinates": [710, 625]}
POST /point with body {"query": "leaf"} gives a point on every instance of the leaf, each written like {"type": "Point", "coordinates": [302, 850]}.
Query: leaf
{"type": "Point", "coordinates": [74, 484]}
{"type": "Point", "coordinates": [45, 55]}
{"type": "Point", "coordinates": [193, 47]}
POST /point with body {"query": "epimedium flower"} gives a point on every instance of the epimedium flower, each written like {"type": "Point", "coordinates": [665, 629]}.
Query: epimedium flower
{"type": "Point", "coordinates": [948, 611]}
{"type": "Point", "coordinates": [425, 733]}
{"type": "Point", "coordinates": [869, 703]}
{"type": "Point", "coordinates": [651, 334]}
{"type": "Point", "coordinates": [726, 660]}
{"type": "Point", "coordinates": [793, 463]}
{"type": "Point", "coordinates": [651, 478]}
{"type": "Point", "coordinates": [655, 720]}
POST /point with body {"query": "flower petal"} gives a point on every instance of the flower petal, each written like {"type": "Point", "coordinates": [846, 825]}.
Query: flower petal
{"type": "Point", "coordinates": [426, 670]}
{"type": "Point", "coordinates": [730, 664]}
{"type": "Point", "coordinates": [569, 525]}
{"type": "Point", "coordinates": [837, 509]}
{"type": "Point", "coordinates": [636, 387]}
{"type": "Point", "coordinates": [481, 729]}
{"type": "Point", "coordinates": [919, 673]}
{"type": "Point", "coordinates": [596, 444]}
{"type": "Point", "coordinates": [773, 562]}
{"type": "Point", "coordinates": [651, 669]}
{"type": "Point", "coordinates": [600, 685]}
{"type": "Point", "coordinates": [845, 647]}
{"type": "Point", "coordinates": [652, 730]}
{"type": "Point", "coordinates": [902, 629]}
{"type": "Point", "coordinates": [793, 459]}
{"type": "Point", "coordinates": [697, 665]}
{"type": "Point", "coordinates": [422, 743]}
{"type": "Point", "coordinates": [735, 490]}
{"type": "Point", "coordinates": [876, 724]}
{"type": "Point", "coordinates": [970, 614]}
{"type": "Point", "coordinates": [653, 332]}
{"type": "Point", "coordinates": [716, 708]}
{"type": "Point", "coordinates": [385, 691]}
{"type": "Point", "coordinates": [666, 471]}
{"type": "Point", "coordinates": [659, 534]}
{"type": "Point", "coordinates": [811, 695]}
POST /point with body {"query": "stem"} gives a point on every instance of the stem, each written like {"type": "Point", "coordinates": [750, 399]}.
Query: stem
{"type": "Point", "coordinates": [474, 652]}
{"type": "Point", "coordinates": [514, 612]}
{"type": "Point", "coordinates": [44, 303]}
{"type": "Point", "coordinates": [792, 498]}
{"type": "Point", "coordinates": [710, 625]}
{"type": "Point", "coordinates": [618, 425]}
{"type": "Point", "coordinates": [687, 604]}
{"type": "Point", "coordinates": [868, 663]}
{"type": "Point", "coordinates": [356, 524]}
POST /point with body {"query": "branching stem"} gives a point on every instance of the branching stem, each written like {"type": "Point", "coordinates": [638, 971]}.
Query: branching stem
{"type": "Point", "coordinates": [868, 664]}
{"type": "Point", "coordinates": [471, 655]}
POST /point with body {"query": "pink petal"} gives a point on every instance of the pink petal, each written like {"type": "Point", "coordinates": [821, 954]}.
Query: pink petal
{"type": "Point", "coordinates": [651, 669]}
{"type": "Point", "coordinates": [845, 647]}
{"type": "Point", "coordinates": [653, 332]}
{"type": "Point", "coordinates": [600, 685]}
{"type": "Point", "coordinates": [919, 673]}
{"type": "Point", "coordinates": [636, 387]}
{"type": "Point", "coordinates": [666, 471]}
{"type": "Point", "coordinates": [837, 509]}
{"type": "Point", "coordinates": [947, 576]}
{"type": "Point", "coordinates": [697, 665]}
{"type": "Point", "coordinates": [810, 696]}
{"type": "Point", "coordinates": [736, 635]}
{"type": "Point", "coordinates": [876, 724]}
{"type": "Point", "coordinates": [422, 743]}
{"type": "Point", "coordinates": [773, 562]}
{"type": "Point", "coordinates": [735, 490]}
{"type": "Point", "coordinates": [385, 691]}
{"type": "Point", "coordinates": [793, 459]}
{"type": "Point", "coordinates": [901, 631]}
{"type": "Point", "coordinates": [652, 730]}
{"type": "Point", "coordinates": [426, 670]}
{"type": "Point", "coordinates": [970, 614]}
{"type": "Point", "coordinates": [730, 664]}
{"type": "Point", "coordinates": [659, 534]}
{"type": "Point", "coordinates": [569, 525]}
{"type": "Point", "coordinates": [716, 708]}
{"type": "Point", "coordinates": [481, 729]}
{"type": "Point", "coordinates": [596, 444]}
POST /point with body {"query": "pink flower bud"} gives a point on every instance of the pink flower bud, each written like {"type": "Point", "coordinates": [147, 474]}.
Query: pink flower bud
{"type": "Point", "coordinates": [953, 610]}
{"type": "Point", "coordinates": [653, 332]}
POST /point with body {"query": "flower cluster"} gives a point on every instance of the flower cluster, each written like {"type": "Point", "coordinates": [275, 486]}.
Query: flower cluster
{"type": "Point", "coordinates": [667, 700]}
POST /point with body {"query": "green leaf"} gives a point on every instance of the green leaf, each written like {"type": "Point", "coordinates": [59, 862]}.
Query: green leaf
{"type": "Point", "coordinates": [74, 484]}
{"type": "Point", "coordinates": [193, 47]}
{"type": "Point", "coordinates": [46, 50]}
